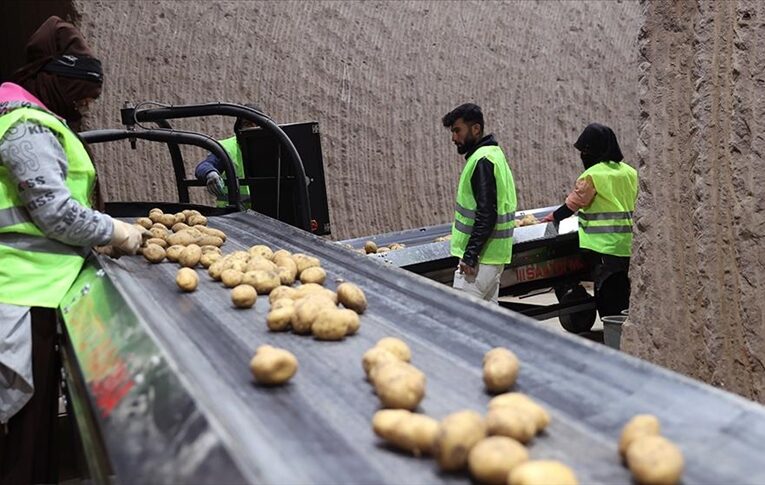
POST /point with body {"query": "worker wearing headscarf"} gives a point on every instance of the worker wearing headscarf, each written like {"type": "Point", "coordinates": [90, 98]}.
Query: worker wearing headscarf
{"type": "Point", "coordinates": [46, 229]}
{"type": "Point", "coordinates": [604, 196]}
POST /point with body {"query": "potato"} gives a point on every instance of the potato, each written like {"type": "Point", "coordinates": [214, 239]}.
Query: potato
{"type": "Point", "coordinates": [351, 296]}
{"type": "Point", "coordinates": [179, 226]}
{"type": "Point", "coordinates": [190, 256]}
{"type": "Point", "coordinates": [376, 356]}
{"type": "Point", "coordinates": [236, 264]}
{"type": "Point", "coordinates": [352, 318]}
{"type": "Point", "coordinates": [281, 254]}
{"type": "Point", "coordinates": [281, 292]}
{"type": "Point", "coordinates": [286, 262]}
{"type": "Point", "coordinates": [542, 472]}
{"type": "Point", "coordinates": [383, 250]}
{"type": "Point", "coordinates": [370, 247]}
{"type": "Point", "coordinates": [398, 385]}
{"type": "Point", "coordinates": [159, 233]}
{"type": "Point", "coordinates": [232, 278]}
{"type": "Point", "coordinates": [308, 289]}
{"type": "Point", "coordinates": [167, 220]}
{"type": "Point", "coordinates": [216, 269]}
{"type": "Point", "coordinates": [207, 240]}
{"type": "Point", "coordinates": [183, 238]}
{"type": "Point", "coordinates": [412, 432]}
{"type": "Point", "coordinates": [512, 423]}
{"type": "Point", "coordinates": [263, 281]}
{"type": "Point", "coordinates": [262, 251]}
{"type": "Point", "coordinates": [154, 253]}
{"type": "Point", "coordinates": [155, 215]}
{"type": "Point", "coordinates": [187, 279]}
{"type": "Point", "coordinates": [637, 427]}
{"type": "Point", "coordinates": [240, 256]}
{"type": "Point", "coordinates": [273, 366]}
{"type": "Point", "coordinates": [457, 434]}
{"type": "Point", "coordinates": [303, 262]}
{"type": "Point", "coordinates": [196, 220]}
{"type": "Point", "coordinates": [179, 217]}
{"type": "Point", "coordinates": [286, 275]}
{"type": "Point", "coordinates": [284, 302]}
{"type": "Point", "coordinates": [491, 459]}
{"type": "Point", "coordinates": [209, 258]}
{"type": "Point", "coordinates": [243, 296]}
{"type": "Point", "coordinates": [397, 347]}
{"type": "Point", "coordinates": [521, 401]}
{"type": "Point", "coordinates": [313, 275]}
{"type": "Point", "coordinates": [144, 222]}
{"type": "Point", "coordinates": [500, 369]}
{"type": "Point", "coordinates": [209, 231]}
{"type": "Point", "coordinates": [654, 460]}
{"type": "Point", "coordinates": [397, 246]}
{"type": "Point", "coordinates": [306, 311]}
{"type": "Point", "coordinates": [278, 319]}
{"type": "Point", "coordinates": [330, 324]}
{"type": "Point", "coordinates": [157, 241]}
{"type": "Point", "coordinates": [259, 263]}
{"type": "Point", "coordinates": [174, 252]}
{"type": "Point", "coordinates": [207, 248]}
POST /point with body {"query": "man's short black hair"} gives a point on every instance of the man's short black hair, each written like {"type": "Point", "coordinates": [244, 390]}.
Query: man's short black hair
{"type": "Point", "coordinates": [469, 112]}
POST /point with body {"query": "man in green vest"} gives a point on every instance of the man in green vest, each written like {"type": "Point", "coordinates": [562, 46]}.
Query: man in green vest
{"type": "Point", "coordinates": [605, 196]}
{"type": "Point", "coordinates": [484, 216]}
{"type": "Point", "coordinates": [212, 172]}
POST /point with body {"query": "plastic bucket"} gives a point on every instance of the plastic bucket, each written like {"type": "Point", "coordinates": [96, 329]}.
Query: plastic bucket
{"type": "Point", "coordinates": [612, 330]}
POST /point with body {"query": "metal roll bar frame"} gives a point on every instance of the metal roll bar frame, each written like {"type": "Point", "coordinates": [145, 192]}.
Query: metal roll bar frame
{"type": "Point", "coordinates": [131, 116]}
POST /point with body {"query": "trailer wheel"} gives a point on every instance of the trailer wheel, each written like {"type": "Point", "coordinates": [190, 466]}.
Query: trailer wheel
{"type": "Point", "coordinates": [575, 322]}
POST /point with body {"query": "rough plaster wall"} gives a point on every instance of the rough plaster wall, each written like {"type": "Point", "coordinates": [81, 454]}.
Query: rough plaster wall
{"type": "Point", "coordinates": [698, 267]}
{"type": "Point", "coordinates": [378, 76]}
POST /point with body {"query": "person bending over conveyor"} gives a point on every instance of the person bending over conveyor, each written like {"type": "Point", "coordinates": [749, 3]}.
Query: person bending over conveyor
{"type": "Point", "coordinates": [211, 170]}
{"type": "Point", "coordinates": [46, 228]}
{"type": "Point", "coordinates": [605, 196]}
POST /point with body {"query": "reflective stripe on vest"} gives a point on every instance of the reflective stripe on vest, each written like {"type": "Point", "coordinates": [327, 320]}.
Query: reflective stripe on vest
{"type": "Point", "coordinates": [605, 226]}
{"type": "Point", "coordinates": [498, 248]}
{"type": "Point", "coordinates": [231, 145]}
{"type": "Point", "coordinates": [36, 270]}
{"type": "Point", "coordinates": [40, 244]}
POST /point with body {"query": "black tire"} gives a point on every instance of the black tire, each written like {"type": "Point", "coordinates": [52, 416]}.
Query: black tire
{"type": "Point", "coordinates": [575, 322]}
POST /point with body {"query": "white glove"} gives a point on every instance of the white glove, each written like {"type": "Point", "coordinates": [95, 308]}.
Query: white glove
{"type": "Point", "coordinates": [126, 238]}
{"type": "Point", "coordinates": [214, 183]}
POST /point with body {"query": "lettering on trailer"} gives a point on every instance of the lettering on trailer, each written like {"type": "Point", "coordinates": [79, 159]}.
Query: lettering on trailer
{"type": "Point", "coordinates": [549, 269]}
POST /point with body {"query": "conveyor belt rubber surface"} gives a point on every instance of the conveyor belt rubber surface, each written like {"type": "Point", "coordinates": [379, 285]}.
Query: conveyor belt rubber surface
{"type": "Point", "coordinates": [317, 429]}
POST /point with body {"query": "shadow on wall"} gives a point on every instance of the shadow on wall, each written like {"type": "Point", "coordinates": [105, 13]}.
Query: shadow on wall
{"type": "Point", "coordinates": [18, 21]}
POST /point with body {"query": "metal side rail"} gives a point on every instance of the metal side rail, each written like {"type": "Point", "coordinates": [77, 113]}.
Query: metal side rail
{"type": "Point", "coordinates": [168, 376]}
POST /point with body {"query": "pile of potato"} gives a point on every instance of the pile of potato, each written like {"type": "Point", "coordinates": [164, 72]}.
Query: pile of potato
{"type": "Point", "coordinates": [370, 247]}
{"type": "Point", "coordinates": [527, 220]}
{"type": "Point", "coordinates": [182, 237]}
{"type": "Point", "coordinates": [652, 459]}
{"type": "Point", "coordinates": [398, 384]}
{"type": "Point", "coordinates": [491, 447]}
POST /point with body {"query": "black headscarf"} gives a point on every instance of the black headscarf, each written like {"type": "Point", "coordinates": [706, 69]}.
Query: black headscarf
{"type": "Point", "coordinates": [598, 144]}
{"type": "Point", "coordinates": [60, 69]}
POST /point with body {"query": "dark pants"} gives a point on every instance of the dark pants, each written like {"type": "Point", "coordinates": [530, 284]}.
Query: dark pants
{"type": "Point", "coordinates": [28, 445]}
{"type": "Point", "coordinates": [612, 283]}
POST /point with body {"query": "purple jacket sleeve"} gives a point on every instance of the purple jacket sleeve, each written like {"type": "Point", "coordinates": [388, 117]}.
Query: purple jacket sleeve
{"type": "Point", "coordinates": [209, 164]}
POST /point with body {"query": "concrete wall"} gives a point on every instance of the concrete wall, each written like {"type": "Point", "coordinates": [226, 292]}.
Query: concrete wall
{"type": "Point", "coordinates": [698, 266]}
{"type": "Point", "coordinates": [378, 76]}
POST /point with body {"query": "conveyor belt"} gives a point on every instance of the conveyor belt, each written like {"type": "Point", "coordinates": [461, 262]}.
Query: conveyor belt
{"type": "Point", "coordinates": [192, 409]}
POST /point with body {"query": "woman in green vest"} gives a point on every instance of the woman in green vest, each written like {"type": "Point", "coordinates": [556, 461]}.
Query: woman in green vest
{"type": "Point", "coordinates": [46, 228]}
{"type": "Point", "coordinates": [604, 195]}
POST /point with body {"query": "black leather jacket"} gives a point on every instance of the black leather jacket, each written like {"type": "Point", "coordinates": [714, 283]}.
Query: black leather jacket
{"type": "Point", "coordinates": [485, 191]}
